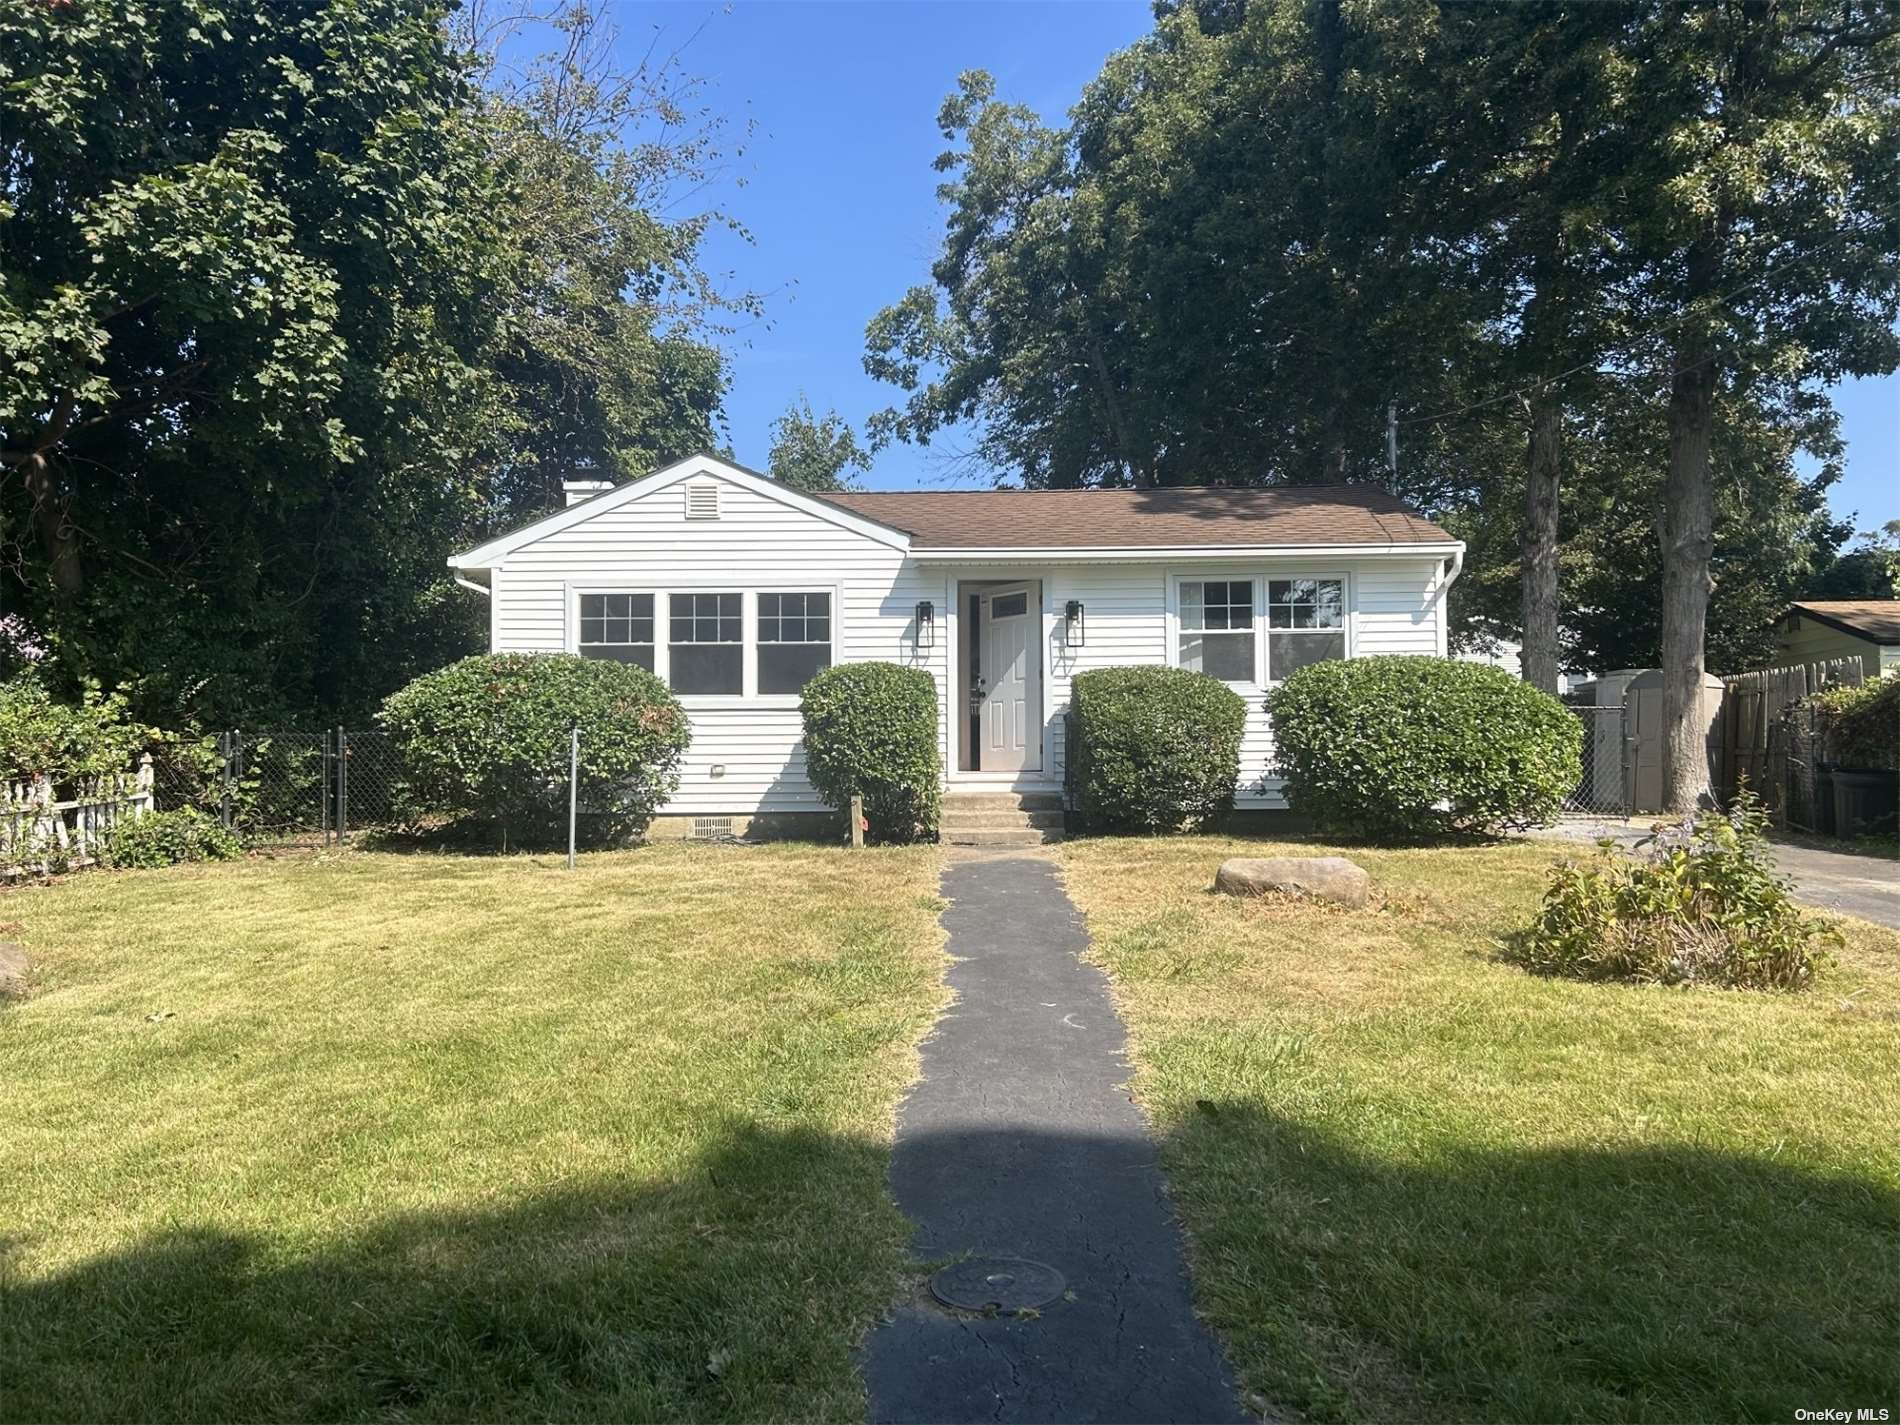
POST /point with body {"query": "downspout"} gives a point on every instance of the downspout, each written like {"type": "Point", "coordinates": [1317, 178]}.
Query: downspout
{"type": "Point", "coordinates": [1438, 597]}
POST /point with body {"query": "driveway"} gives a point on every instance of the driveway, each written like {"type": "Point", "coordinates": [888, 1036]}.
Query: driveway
{"type": "Point", "coordinates": [1863, 886]}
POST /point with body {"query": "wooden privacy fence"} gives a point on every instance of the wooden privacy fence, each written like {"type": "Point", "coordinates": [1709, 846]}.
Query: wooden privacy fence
{"type": "Point", "coordinates": [1766, 735]}
{"type": "Point", "coordinates": [41, 832]}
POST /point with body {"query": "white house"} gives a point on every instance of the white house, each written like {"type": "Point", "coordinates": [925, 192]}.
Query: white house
{"type": "Point", "coordinates": [735, 589]}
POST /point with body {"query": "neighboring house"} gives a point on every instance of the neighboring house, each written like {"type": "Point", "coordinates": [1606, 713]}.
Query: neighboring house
{"type": "Point", "coordinates": [1815, 630]}
{"type": "Point", "coordinates": [735, 590]}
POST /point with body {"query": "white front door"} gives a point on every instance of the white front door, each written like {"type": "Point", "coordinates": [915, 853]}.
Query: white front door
{"type": "Point", "coordinates": [1011, 718]}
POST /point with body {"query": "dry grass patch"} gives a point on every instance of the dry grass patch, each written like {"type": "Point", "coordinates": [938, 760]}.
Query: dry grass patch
{"type": "Point", "coordinates": [1423, 1183]}
{"type": "Point", "coordinates": [440, 1137]}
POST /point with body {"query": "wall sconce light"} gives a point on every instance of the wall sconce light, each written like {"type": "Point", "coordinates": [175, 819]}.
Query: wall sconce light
{"type": "Point", "coordinates": [926, 624]}
{"type": "Point", "coordinates": [1074, 624]}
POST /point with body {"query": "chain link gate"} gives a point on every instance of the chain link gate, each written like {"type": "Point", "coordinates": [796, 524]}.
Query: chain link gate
{"type": "Point", "coordinates": [1604, 789]}
{"type": "Point", "coordinates": [286, 786]}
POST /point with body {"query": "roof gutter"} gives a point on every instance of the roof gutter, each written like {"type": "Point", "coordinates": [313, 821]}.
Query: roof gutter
{"type": "Point", "coordinates": [485, 590]}
{"type": "Point", "coordinates": [1058, 554]}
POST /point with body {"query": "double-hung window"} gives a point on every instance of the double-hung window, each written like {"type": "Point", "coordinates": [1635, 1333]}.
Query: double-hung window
{"type": "Point", "coordinates": [705, 646]}
{"type": "Point", "coordinates": [794, 640]}
{"type": "Point", "coordinates": [1306, 623]}
{"type": "Point", "coordinates": [618, 627]}
{"type": "Point", "coordinates": [1217, 628]}
{"type": "Point", "coordinates": [721, 643]}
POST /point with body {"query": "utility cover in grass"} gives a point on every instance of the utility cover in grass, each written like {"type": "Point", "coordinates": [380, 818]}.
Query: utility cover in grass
{"type": "Point", "coordinates": [1326, 878]}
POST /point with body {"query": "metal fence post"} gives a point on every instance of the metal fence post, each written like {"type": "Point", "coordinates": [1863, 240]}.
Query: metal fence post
{"type": "Point", "coordinates": [573, 790]}
{"type": "Point", "coordinates": [323, 789]}
{"type": "Point", "coordinates": [224, 789]}
{"type": "Point", "coordinates": [342, 785]}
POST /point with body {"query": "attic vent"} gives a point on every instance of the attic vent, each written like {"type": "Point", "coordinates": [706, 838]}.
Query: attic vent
{"type": "Point", "coordinates": [712, 828]}
{"type": "Point", "coordinates": [702, 500]}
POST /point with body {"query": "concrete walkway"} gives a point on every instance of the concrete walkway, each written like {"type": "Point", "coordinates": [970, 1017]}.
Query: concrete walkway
{"type": "Point", "coordinates": [1020, 1141]}
{"type": "Point", "coordinates": [1864, 886]}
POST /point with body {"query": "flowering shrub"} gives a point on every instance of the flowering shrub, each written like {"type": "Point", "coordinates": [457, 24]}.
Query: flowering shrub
{"type": "Point", "coordinates": [1703, 906]}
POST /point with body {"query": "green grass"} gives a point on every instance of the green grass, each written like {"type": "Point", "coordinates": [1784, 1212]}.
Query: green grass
{"type": "Point", "coordinates": [434, 1137]}
{"type": "Point", "coordinates": [1421, 1183]}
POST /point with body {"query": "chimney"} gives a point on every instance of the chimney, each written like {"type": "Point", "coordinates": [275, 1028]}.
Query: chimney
{"type": "Point", "coordinates": [578, 490]}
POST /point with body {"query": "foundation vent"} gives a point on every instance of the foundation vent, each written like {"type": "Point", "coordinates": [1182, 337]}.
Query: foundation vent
{"type": "Point", "coordinates": [712, 828]}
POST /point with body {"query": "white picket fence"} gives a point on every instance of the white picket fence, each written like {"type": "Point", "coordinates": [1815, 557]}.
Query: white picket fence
{"type": "Point", "coordinates": [40, 832]}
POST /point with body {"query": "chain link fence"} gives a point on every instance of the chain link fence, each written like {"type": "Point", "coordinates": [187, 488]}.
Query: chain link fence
{"type": "Point", "coordinates": [1604, 789]}
{"type": "Point", "coordinates": [284, 786]}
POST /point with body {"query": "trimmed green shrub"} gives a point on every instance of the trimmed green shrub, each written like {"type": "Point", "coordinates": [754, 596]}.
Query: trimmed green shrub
{"type": "Point", "coordinates": [170, 838]}
{"type": "Point", "coordinates": [1860, 727]}
{"type": "Point", "coordinates": [487, 739]}
{"type": "Point", "coordinates": [1704, 907]}
{"type": "Point", "coordinates": [1408, 748]}
{"type": "Point", "coordinates": [871, 732]}
{"type": "Point", "coordinates": [1154, 749]}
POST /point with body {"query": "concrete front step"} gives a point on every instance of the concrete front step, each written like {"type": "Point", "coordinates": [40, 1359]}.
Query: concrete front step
{"type": "Point", "coordinates": [962, 820]}
{"type": "Point", "coordinates": [999, 837]}
{"type": "Point", "coordinates": [1002, 801]}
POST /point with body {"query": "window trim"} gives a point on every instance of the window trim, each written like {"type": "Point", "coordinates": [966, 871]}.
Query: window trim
{"type": "Point", "coordinates": [575, 601]}
{"type": "Point", "coordinates": [748, 590]}
{"type": "Point", "coordinates": [1259, 577]}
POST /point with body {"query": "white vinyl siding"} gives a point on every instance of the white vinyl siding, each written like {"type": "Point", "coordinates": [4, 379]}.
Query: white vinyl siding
{"type": "Point", "coordinates": [747, 755]}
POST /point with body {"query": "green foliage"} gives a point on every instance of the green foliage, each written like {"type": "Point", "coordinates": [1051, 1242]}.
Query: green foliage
{"type": "Point", "coordinates": [298, 297]}
{"type": "Point", "coordinates": [1860, 726]}
{"type": "Point", "coordinates": [810, 453]}
{"type": "Point", "coordinates": [487, 739]}
{"type": "Point", "coordinates": [871, 732]}
{"type": "Point", "coordinates": [170, 838]}
{"type": "Point", "coordinates": [1704, 907]}
{"type": "Point", "coordinates": [1155, 750]}
{"type": "Point", "coordinates": [1399, 747]}
{"type": "Point", "coordinates": [43, 737]}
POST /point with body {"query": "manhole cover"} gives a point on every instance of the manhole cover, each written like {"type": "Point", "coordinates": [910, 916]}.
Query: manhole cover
{"type": "Point", "coordinates": [996, 1284]}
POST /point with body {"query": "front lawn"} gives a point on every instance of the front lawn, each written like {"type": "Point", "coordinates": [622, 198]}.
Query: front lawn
{"type": "Point", "coordinates": [1424, 1184]}
{"type": "Point", "coordinates": [432, 1137]}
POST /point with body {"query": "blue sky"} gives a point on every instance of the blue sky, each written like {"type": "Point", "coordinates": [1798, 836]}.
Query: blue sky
{"type": "Point", "coordinates": [839, 193]}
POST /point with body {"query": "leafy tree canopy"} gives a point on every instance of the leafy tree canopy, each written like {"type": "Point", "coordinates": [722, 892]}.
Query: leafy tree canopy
{"type": "Point", "coordinates": [810, 452]}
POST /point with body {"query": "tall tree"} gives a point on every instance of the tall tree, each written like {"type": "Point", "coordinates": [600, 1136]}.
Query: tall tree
{"type": "Point", "coordinates": [1767, 218]}
{"type": "Point", "coordinates": [1217, 271]}
{"type": "Point", "coordinates": [810, 452]}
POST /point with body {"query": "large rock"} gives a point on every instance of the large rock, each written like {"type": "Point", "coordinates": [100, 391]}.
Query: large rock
{"type": "Point", "coordinates": [1327, 878]}
{"type": "Point", "coordinates": [13, 968]}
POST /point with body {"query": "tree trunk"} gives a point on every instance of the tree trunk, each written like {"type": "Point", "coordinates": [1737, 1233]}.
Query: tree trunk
{"type": "Point", "coordinates": [1543, 477]}
{"type": "Point", "coordinates": [1688, 542]}
{"type": "Point", "coordinates": [1139, 471]}
{"type": "Point", "coordinates": [58, 540]}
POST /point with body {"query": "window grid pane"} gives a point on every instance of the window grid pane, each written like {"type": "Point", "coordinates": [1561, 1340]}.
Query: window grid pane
{"type": "Point", "coordinates": [705, 618]}
{"type": "Point", "coordinates": [795, 618]}
{"type": "Point", "coordinates": [617, 626]}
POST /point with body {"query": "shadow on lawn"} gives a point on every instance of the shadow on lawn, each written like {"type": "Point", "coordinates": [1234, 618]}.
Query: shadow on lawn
{"type": "Point", "coordinates": [728, 1294]}
{"type": "Point", "coordinates": [1464, 1283]}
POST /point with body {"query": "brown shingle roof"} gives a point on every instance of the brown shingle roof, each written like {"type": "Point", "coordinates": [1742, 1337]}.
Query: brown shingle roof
{"type": "Point", "coordinates": [1878, 619]}
{"type": "Point", "coordinates": [1175, 517]}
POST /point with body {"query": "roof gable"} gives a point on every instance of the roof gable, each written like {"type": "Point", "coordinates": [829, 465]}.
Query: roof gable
{"type": "Point", "coordinates": [493, 551]}
{"type": "Point", "coordinates": [1877, 620]}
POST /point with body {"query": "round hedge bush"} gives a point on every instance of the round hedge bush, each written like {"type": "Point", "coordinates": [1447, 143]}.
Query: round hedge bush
{"type": "Point", "coordinates": [1408, 748]}
{"type": "Point", "coordinates": [871, 732]}
{"type": "Point", "coordinates": [1155, 749]}
{"type": "Point", "coordinates": [487, 739]}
